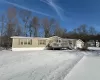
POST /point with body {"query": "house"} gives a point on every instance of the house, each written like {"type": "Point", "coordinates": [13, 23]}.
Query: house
{"type": "Point", "coordinates": [39, 43]}
{"type": "Point", "coordinates": [28, 43]}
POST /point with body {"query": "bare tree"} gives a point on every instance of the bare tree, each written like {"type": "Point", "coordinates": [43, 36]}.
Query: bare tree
{"type": "Point", "coordinates": [59, 31]}
{"type": "Point", "coordinates": [25, 15]}
{"type": "Point", "coordinates": [82, 29]}
{"type": "Point", "coordinates": [10, 30]}
{"type": "Point", "coordinates": [30, 29]}
{"type": "Point", "coordinates": [35, 25]}
{"type": "Point", "coordinates": [92, 31]}
{"type": "Point", "coordinates": [47, 26]}
{"type": "Point", "coordinates": [2, 24]}
{"type": "Point", "coordinates": [11, 14]}
{"type": "Point", "coordinates": [11, 24]}
{"type": "Point", "coordinates": [18, 27]}
{"type": "Point", "coordinates": [11, 21]}
{"type": "Point", "coordinates": [18, 30]}
{"type": "Point", "coordinates": [2, 19]}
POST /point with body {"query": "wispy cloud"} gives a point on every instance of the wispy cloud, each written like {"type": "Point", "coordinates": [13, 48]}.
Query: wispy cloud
{"type": "Point", "coordinates": [19, 6]}
{"type": "Point", "coordinates": [55, 7]}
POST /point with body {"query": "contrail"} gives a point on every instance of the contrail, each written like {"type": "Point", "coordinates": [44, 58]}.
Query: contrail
{"type": "Point", "coordinates": [47, 2]}
{"type": "Point", "coordinates": [55, 7]}
{"type": "Point", "coordinates": [28, 9]}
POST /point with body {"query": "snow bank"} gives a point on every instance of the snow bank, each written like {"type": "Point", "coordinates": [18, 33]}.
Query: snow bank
{"type": "Point", "coordinates": [28, 49]}
{"type": "Point", "coordinates": [37, 65]}
{"type": "Point", "coordinates": [94, 48]}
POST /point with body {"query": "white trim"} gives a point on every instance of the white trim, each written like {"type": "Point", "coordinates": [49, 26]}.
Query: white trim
{"type": "Point", "coordinates": [28, 37]}
{"type": "Point", "coordinates": [28, 49]}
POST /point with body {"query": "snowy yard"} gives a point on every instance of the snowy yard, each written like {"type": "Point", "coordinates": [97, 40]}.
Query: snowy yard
{"type": "Point", "coordinates": [39, 65]}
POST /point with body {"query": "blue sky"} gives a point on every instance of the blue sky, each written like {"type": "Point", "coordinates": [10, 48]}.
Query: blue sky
{"type": "Point", "coordinates": [70, 13]}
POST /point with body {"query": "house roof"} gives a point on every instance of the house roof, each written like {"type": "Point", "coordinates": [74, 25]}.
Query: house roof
{"type": "Point", "coordinates": [50, 38]}
{"type": "Point", "coordinates": [28, 37]}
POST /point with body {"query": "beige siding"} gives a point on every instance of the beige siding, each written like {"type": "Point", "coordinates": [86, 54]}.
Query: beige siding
{"type": "Point", "coordinates": [35, 43]}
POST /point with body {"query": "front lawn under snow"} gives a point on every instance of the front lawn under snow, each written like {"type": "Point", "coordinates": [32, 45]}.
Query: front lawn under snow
{"type": "Point", "coordinates": [37, 65]}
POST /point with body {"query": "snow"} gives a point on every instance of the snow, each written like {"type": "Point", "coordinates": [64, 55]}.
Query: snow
{"type": "Point", "coordinates": [94, 48]}
{"type": "Point", "coordinates": [50, 65]}
{"type": "Point", "coordinates": [37, 65]}
{"type": "Point", "coordinates": [88, 68]}
{"type": "Point", "coordinates": [28, 49]}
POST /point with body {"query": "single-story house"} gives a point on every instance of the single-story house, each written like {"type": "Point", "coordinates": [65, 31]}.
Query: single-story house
{"type": "Point", "coordinates": [28, 43]}
{"type": "Point", "coordinates": [39, 43]}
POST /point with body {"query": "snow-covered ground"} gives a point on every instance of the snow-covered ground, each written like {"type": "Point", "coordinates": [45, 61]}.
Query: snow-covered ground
{"type": "Point", "coordinates": [37, 65]}
{"type": "Point", "coordinates": [47, 64]}
{"type": "Point", "coordinates": [94, 48]}
{"type": "Point", "coordinates": [88, 68]}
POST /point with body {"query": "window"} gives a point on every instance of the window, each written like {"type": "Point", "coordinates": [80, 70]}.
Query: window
{"type": "Point", "coordinates": [30, 42]}
{"type": "Point", "coordinates": [70, 42]}
{"type": "Point", "coordinates": [25, 42]}
{"type": "Point", "coordinates": [41, 42]}
{"type": "Point", "coordinates": [58, 41]}
{"type": "Point", "coordinates": [21, 43]}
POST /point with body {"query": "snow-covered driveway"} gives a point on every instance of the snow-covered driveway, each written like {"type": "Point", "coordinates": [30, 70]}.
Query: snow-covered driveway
{"type": "Point", "coordinates": [37, 65]}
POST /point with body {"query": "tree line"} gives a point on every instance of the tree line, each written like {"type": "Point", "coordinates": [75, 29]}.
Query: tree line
{"type": "Point", "coordinates": [22, 23]}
